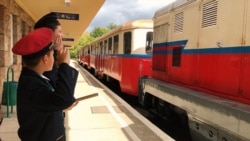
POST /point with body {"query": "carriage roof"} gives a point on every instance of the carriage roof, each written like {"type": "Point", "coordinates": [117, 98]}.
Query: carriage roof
{"type": "Point", "coordinates": [142, 23]}
{"type": "Point", "coordinates": [174, 5]}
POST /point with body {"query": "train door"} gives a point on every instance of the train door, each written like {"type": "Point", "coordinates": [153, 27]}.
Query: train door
{"type": "Point", "coordinates": [160, 55]}
{"type": "Point", "coordinates": [116, 66]}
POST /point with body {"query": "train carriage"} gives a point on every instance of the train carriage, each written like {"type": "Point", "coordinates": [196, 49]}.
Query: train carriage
{"type": "Point", "coordinates": [123, 54]}
{"type": "Point", "coordinates": [200, 66]}
{"type": "Point", "coordinates": [84, 57]}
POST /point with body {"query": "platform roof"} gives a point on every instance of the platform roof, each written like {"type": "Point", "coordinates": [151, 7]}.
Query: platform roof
{"type": "Point", "coordinates": [83, 10]}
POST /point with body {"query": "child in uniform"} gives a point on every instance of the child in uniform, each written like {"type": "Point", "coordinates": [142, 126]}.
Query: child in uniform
{"type": "Point", "coordinates": [39, 104]}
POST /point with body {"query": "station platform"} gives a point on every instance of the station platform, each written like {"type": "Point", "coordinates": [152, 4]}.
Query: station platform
{"type": "Point", "coordinates": [105, 117]}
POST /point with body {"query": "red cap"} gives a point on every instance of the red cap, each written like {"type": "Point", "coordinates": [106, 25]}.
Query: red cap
{"type": "Point", "coordinates": [34, 42]}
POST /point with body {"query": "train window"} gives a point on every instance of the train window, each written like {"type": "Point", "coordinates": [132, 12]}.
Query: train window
{"type": "Point", "coordinates": [178, 23]}
{"type": "Point", "coordinates": [110, 45]}
{"type": "Point", "coordinates": [92, 49]}
{"type": "Point", "coordinates": [101, 47]}
{"type": "Point", "coordinates": [96, 49]}
{"type": "Point", "coordinates": [105, 47]}
{"type": "Point", "coordinates": [81, 52]}
{"type": "Point", "coordinates": [209, 14]}
{"type": "Point", "coordinates": [116, 43]}
{"type": "Point", "coordinates": [85, 52]}
{"type": "Point", "coordinates": [176, 58]}
{"type": "Point", "coordinates": [149, 42]}
{"type": "Point", "coordinates": [127, 40]}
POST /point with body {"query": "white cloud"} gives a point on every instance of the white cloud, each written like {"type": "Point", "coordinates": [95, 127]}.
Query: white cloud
{"type": "Point", "coordinates": [120, 11]}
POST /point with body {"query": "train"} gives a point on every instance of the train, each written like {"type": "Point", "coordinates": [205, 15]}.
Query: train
{"type": "Point", "coordinates": [122, 55]}
{"type": "Point", "coordinates": [193, 65]}
{"type": "Point", "coordinates": [201, 67]}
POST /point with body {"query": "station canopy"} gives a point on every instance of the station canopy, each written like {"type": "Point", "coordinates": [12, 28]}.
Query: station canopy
{"type": "Point", "coordinates": [74, 15]}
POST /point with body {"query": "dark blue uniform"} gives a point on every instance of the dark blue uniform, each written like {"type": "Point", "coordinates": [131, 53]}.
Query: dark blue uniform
{"type": "Point", "coordinates": [40, 105]}
{"type": "Point", "coordinates": [52, 75]}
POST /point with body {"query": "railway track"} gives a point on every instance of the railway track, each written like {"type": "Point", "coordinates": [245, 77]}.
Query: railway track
{"type": "Point", "coordinates": [170, 125]}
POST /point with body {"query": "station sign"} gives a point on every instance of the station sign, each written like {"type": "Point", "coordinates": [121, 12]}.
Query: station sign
{"type": "Point", "coordinates": [67, 16]}
{"type": "Point", "coordinates": [68, 39]}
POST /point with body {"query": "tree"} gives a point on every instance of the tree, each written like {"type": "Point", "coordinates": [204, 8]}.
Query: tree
{"type": "Point", "coordinates": [112, 26]}
{"type": "Point", "coordinates": [88, 37]}
{"type": "Point", "coordinates": [84, 40]}
{"type": "Point", "coordinates": [98, 32]}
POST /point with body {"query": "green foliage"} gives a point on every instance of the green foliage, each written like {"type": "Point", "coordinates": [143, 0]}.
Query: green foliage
{"type": "Point", "coordinates": [98, 32]}
{"type": "Point", "coordinates": [112, 26]}
{"type": "Point", "coordinates": [88, 37]}
{"type": "Point", "coordinates": [73, 54]}
{"type": "Point", "coordinates": [84, 40]}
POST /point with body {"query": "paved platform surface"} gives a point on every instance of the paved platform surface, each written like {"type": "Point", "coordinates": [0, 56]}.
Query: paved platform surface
{"type": "Point", "coordinates": [105, 117]}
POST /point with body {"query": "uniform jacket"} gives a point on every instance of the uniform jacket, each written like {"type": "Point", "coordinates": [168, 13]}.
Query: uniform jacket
{"type": "Point", "coordinates": [52, 75]}
{"type": "Point", "coordinates": [39, 105]}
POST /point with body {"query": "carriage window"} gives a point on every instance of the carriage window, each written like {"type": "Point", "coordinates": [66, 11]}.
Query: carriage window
{"type": "Point", "coordinates": [176, 58]}
{"type": "Point", "coordinates": [105, 47]}
{"type": "Point", "coordinates": [149, 42]}
{"type": "Point", "coordinates": [116, 43]}
{"type": "Point", "coordinates": [84, 51]}
{"type": "Point", "coordinates": [92, 49]}
{"type": "Point", "coordinates": [88, 51]}
{"type": "Point", "coordinates": [81, 52]}
{"type": "Point", "coordinates": [96, 49]}
{"type": "Point", "coordinates": [127, 42]}
{"type": "Point", "coordinates": [110, 45]}
{"type": "Point", "coordinates": [101, 47]}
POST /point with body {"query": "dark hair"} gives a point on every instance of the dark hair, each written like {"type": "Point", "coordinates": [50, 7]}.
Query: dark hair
{"type": "Point", "coordinates": [49, 20]}
{"type": "Point", "coordinates": [31, 62]}
{"type": "Point", "coordinates": [53, 26]}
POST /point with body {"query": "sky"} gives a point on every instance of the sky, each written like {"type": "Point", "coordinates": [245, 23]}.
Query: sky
{"type": "Point", "coordinates": [121, 11]}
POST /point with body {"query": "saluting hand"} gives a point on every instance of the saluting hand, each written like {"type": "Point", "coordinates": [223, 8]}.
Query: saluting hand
{"type": "Point", "coordinates": [58, 42]}
{"type": "Point", "coordinates": [63, 56]}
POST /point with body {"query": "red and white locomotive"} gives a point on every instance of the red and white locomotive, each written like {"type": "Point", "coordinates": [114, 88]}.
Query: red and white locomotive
{"type": "Point", "coordinates": [201, 67]}
{"type": "Point", "coordinates": [121, 55]}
